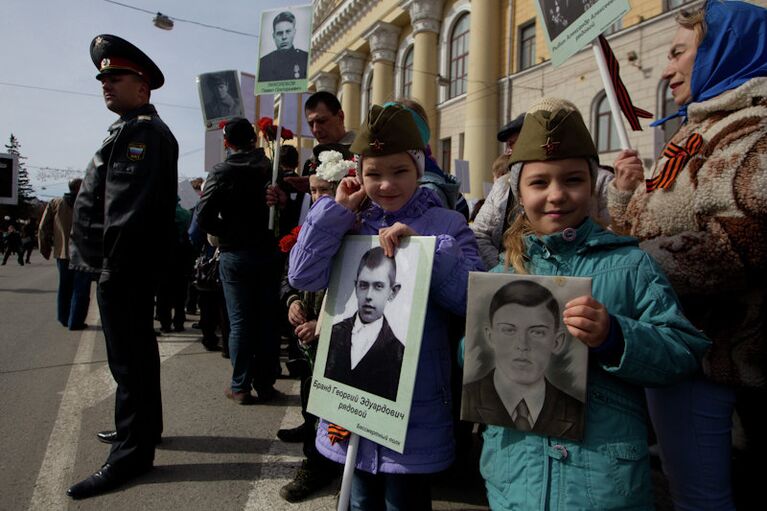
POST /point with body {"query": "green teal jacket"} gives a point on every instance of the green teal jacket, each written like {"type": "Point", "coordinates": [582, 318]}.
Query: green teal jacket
{"type": "Point", "coordinates": [655, 346]}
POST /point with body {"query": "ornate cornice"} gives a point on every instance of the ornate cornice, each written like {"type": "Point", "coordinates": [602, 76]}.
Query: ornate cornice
{"type": "Point", "coordinates": [383, 39]}
{"type": "Point", "coordinates": [335, 25]}
{"type": "Point", "coordinates": [351, 64]}
{"type": "Point", "coordinates": [425, 15]}
{"type": "Point", "coordinates": [325, 82]}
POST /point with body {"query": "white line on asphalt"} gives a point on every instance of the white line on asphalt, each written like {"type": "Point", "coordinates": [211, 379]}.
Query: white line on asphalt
{"type": "Point", "coordinates": [86, 387]}
{"type": "Point", "coordinates": [279, 468]}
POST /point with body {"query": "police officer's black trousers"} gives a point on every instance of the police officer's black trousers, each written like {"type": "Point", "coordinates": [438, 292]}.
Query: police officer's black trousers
{"type": "Point", "coordinates": [126, 306]}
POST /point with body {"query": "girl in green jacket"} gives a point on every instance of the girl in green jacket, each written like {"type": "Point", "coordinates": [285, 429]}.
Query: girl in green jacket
{"type": "Point", "coordinates": [632, 325]}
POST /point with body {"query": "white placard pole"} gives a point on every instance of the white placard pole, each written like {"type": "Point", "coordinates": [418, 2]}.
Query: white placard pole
{"type": "Point", "coordinates": [346, 481]}
{"type": "Point", "coordinates": [276, 163]}
{"type": "Point", "coordinates": [612, 98]}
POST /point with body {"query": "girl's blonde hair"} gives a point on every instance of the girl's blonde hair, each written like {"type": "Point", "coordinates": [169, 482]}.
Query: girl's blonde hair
{"type": "Point", "coordinates": [514, 242]}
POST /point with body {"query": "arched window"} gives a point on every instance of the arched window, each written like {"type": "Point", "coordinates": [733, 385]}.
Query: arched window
{"type": "Point", "coordinates": [459, 57]}
{"type": "Point", "coordinates": [607, 136]}
{"type": "Point", "coordinates": [407, 73]}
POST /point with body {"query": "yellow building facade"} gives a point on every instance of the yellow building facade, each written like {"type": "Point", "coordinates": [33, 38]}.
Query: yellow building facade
{"type": "Point", "coordinates": [476, 64]}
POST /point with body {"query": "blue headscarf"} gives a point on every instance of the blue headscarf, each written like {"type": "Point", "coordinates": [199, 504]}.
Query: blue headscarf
{"type": "Point", "coordinates": [733, 51]}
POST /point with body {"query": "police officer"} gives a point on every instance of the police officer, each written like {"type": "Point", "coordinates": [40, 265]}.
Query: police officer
{"type": "Point", "coordinates": [122, 227]}
{"type": "Point", "coordinates": [286, 62]}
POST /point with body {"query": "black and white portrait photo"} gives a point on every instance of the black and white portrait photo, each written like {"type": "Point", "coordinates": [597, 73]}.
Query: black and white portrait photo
{"type": "Point", "coordinates": [220, 96]}
{"type": "Point", "coordinates": [284, 44]}
{"type": "Point", "coordinates": [522, 368]}
{"type": "Point", "coordinates": [560, 14]}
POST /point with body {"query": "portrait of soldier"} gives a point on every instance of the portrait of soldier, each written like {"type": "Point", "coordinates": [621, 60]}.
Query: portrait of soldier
{"type": "Point", "coordinates": [286, 62]}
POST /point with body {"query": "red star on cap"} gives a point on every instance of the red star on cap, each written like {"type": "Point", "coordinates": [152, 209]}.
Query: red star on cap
{"type": "Point", "coordinates": [377, 145]}
{"type": "Point", "coordinates": [550, 146]}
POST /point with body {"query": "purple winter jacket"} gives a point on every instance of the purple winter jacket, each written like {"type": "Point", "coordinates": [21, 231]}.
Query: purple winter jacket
{"type": "Point", "coordinates": [429, 446]}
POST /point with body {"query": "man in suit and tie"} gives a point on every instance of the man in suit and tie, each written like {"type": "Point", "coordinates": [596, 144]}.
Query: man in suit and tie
{"type": "Point", "coordinates": [526, 332]}
{"type": "Point", "coordinates": [364, 352]}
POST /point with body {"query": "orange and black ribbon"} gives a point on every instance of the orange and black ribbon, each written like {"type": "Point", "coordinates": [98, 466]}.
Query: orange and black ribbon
{"type": "Point", "coordinates": [677, 158]}
{"type": "Point", "coordinates": [337, 434]}
{"type": "Point", "coordinates": [631, 112]}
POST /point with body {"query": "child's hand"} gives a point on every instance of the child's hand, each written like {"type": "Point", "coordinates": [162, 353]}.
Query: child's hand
{"type": "Point", "coordinates": [389, 237]}
{"type": "Point", "coordinates": [296, 314]}
{"type": "Point", "coordinates": [305, 332]}
{"type": "Point", "coordinates": [587, 320]}
{"type": "Point", "coordinates": [350, 193]}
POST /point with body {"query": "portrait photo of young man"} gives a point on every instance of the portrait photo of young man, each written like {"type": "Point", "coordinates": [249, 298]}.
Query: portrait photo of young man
{"type": "Point", "coordinates": [526, 334]}
{"type": "Point", "coordinates": [285, 61]}
{"type": "Point", "coordinates": [364, 352]}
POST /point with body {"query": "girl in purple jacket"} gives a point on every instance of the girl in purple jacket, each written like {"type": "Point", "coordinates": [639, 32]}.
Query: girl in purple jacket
{"type": "Point", "coordinates": [385, 199]}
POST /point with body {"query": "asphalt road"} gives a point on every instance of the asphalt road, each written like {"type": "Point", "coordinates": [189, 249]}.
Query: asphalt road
{"type": "Point", "coordinates": [56, 393]}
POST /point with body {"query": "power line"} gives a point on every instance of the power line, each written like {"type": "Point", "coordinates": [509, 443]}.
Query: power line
{"type": "Point", "coordinates": [184, 20]}
{"type": "Point", "coordinates": [78, 93]}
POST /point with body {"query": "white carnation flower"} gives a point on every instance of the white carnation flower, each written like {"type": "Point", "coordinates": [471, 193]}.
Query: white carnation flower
{"type": "Point", "coordinates": [333, 167]}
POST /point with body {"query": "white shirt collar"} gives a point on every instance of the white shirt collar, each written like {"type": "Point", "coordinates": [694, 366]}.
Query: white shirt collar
{"type": "Point", "coordinates": [511, 394]}
{"type": "Point", "coordinates": [364, 335]}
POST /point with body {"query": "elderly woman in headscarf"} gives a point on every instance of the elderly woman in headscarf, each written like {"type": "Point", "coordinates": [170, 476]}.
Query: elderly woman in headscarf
{"type": "Point", "coordinates": [702, 214]}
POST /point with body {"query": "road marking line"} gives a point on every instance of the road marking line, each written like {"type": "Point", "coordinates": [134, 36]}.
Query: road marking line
{"type": "Point", "coordinates": [85, 388]}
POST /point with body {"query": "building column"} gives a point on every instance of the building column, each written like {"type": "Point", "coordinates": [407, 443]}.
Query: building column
{"type": "Point", "coordinates": [383, 39]}
{"type": "Point", "coordinates": [481, 111]}
{"type": "Point", "coordinates": [351, 64]}
{"type": "Point", "coordinates": [425, 16]}
{"type": "Point", "coordinates": [327, 82]}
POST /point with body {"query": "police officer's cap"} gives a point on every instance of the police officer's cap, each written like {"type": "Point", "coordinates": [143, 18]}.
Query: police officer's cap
{"type": "Point", "coordinates": [284, 16]}
{"type": "Point", "coordinates": [514, 126]}
{"type": "Point", "coordinates": [114, 55]}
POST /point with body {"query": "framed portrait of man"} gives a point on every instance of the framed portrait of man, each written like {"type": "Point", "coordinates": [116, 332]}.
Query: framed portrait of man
{"type": "Point", "coordinates": [370, 337]}
{"type": "Point", "coordinates": [220, 97]}
{"type": "Point", "coordinates": [284, 49]}
{"type": "Point", "coordinates": [522, 368]}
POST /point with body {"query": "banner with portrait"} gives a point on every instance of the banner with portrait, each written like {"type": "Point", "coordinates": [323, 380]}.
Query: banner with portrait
{"type": "Point", "coordinates": [570, 25]}
{"type": "Point", "coordinates": [370, 337]}
{"type": "Point", "coordinates": [522, 368]}
{"type": "Point", "coordinates": [220, 97]}
{"type": "Point", "coordinates": [284, 50]}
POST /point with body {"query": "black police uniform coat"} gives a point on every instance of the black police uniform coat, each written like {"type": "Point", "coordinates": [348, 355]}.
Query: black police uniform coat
{"type": "Point", "coordinates": [283, 65]}
{"type": "Point", "coordinates": [123, 217]}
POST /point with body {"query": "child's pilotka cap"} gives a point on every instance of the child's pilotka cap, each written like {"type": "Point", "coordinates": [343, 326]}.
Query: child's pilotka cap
{"type": "Point", "coordinates": [388, 130]}
{"type": "Point", "coordinates": [553, 130]}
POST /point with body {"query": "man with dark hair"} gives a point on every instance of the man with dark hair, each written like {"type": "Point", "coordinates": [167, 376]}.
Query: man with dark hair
{"type": "Point", "coordinates": [74, 294]}
{"type": "Point", "coordinates": [285, 62]}
{"type": "Point", "coordinates": [364, 352]}
{"type": "Point", "coordinates": [125, 205]}
{"type": "Point", "coordinates": [234, 207]}
{"type": "Point", "coordinates": [220, 102]}
{"type": "Point", "coordinates": [526, 332]}
{"type": "Point", "coordinates": [326, 120]}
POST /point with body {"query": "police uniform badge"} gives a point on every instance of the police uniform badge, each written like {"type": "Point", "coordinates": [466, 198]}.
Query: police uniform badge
{"type": "Point", "coordinates": [136, 151]}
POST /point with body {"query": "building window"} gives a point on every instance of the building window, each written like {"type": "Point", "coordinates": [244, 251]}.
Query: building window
{"type": "Point", "coordinates": [527, 46]}
{"type": "Point", "coordinates": [407, 73]}
{"type": "Point", "coordinates": [669, 107]}
{"type": "Point", "coordinates": [618, 25]}
{"type": "Point", "coordinates": [607, 135]}
{"type": "Point", "coordinates": [368, 95]}
{"type": "Point", "coordinates": [459, 57]}
{"type": "Point", "coordinates": [447, 149]}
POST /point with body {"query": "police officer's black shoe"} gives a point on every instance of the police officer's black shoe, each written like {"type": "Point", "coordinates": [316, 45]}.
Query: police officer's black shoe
{"type": "Point", "coordinates": [108, 437]}
{"type": "Point", "coordinates": [105, 479]}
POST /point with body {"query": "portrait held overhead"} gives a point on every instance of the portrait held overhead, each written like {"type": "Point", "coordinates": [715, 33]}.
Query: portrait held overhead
{"type": "Point", "coordinates": [220, 96]}
{"type": "Point", "coordinates": [285, 55]}
{"type": "Point", "coordinates": [537, 373]}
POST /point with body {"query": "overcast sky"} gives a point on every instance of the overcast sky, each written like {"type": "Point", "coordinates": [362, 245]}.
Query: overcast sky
{"type": "Point", "coordinates": [45, 44]}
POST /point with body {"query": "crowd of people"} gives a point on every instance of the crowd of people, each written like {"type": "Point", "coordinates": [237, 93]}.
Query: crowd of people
{"type": "Point", "coordinates": [674, 325]}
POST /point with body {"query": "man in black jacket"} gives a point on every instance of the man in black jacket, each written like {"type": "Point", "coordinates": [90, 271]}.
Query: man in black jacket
{"type": "Point", "coordinates": [121, 228]}
{"type": "Point", "coordinates": [234, 208]}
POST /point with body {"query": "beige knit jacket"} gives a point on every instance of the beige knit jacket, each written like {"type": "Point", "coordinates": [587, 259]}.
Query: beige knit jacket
{"type": "Point", "coordinates": [708, 231]}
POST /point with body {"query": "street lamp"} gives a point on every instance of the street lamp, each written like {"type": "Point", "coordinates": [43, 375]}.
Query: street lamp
{"type": "Point", "coordinates": [162, 21]}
